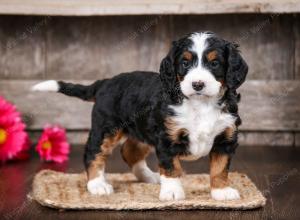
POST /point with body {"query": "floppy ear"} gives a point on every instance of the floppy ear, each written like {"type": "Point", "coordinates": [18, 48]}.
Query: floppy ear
{"type": "Point", "coordinates": [237, 67]}
{"type": "Point", "coordinates": [168, 75]}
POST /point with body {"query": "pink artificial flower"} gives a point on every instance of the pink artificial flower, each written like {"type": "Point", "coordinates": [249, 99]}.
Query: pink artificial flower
{"type": "Point", "coordinates": [14, 141]}
{"type": "Point", "coordinates": [24, 153]}
{"type": "Point", "coordinates": [53, 144]}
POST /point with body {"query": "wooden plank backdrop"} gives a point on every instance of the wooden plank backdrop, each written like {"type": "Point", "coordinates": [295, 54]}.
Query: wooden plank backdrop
{"type": "Point", "coordinates": [138, 7]}
{"type": "Point", "coordinates": [83, 49]}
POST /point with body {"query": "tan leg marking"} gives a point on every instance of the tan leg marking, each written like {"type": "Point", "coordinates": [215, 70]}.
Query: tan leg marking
{"type": "Point", "coordinates": [109, 143]}
{"type": "Point", "coordinates": [220, 189]}
{"type": "Point", "coordinates": [175, 172]}
{"type": "Point", "coordinates": [134, 151]}
{"type": "Point", "coordinates": [134, 154]}
{"type": "Point", "coordinates": [218, 170]}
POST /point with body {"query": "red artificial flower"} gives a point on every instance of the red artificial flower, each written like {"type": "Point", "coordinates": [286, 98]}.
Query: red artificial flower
{"type": "Point", "coordinates": [53, 144]}
{"type": "Point", "coordinates": [14, 141]}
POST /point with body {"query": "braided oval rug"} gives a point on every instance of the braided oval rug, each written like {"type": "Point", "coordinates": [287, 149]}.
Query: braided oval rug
{"type": "Point", "coordinates": [68, 191]}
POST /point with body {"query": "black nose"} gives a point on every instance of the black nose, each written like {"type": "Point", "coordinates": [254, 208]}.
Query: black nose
{"type": "Point", "coordinates": [198, 86]}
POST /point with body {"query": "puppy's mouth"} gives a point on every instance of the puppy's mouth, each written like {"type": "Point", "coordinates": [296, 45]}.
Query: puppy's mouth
{"type": "Point", "coordinates": [200, 94]}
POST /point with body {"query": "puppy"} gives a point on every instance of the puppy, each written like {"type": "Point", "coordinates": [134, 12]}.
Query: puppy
{"type": "Point", "coordinates": [187, 111]}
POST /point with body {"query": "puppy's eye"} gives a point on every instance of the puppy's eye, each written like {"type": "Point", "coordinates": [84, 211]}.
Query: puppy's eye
{"type": "Point", "coordinates": [215, 64]}
{"type": "Point", "coordinates": [185, 64]}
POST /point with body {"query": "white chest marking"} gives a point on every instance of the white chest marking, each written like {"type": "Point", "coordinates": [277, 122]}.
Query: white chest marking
{"type": "Point", "coordinates": [204, 120]}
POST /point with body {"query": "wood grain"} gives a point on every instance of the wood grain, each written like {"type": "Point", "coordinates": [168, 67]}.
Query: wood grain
{"type": "Point", "coordinates": [99, 47]}
{"type": "Point", "coordinates": [270, 105]}
{"type": "Point", "coordinates": [297, 139]}
{"type": "Point", "coordinates": [263, 138]}
{"type": "Point", "coordinates": [137, 7]}
{"type": "Point", "coordinates": [297, 45]}
{"type": "Point", "coordinates": [23, 47]}
{"type": "Point", "coordinates": [89, 48]}
{"type": "Point", "coordinates": [265, 106]}
{"type": "Point", "coordinates": [2, 49]}
{"type": "Point", "coordinates": [41, 108]}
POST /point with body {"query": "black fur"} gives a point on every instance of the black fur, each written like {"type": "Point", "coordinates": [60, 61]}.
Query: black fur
{"type": "Point", "coordinates": [86, 93]}
{"type": "Point", "coordinates": [237, 67]}
{"type": "Point", "coordinates": [137, 103]}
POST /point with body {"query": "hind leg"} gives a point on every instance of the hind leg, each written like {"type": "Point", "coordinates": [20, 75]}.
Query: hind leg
{"type": "Point", "coordinates": [98, 148]}
{"type": "Point", "coordinates": [134, 154]}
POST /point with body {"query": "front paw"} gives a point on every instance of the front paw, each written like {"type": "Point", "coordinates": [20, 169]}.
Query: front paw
{"type": "Point", "coordinates": [171, 189]}
{"type": "Point", "coordinates": [226, 193]}
{"type": "Point", "coordinates": [99, 187]}
{"type": "Point", "coordinates": [169, 195]}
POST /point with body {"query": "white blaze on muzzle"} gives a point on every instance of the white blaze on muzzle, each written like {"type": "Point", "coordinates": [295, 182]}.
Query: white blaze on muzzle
{"type": "Point", "coordinates": [211, 85]}
{"type": "Point", "coordinates": [199, 73]}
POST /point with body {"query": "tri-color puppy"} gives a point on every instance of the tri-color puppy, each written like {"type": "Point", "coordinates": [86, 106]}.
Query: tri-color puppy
{"type": "Point", "coordinates": [187, 111]}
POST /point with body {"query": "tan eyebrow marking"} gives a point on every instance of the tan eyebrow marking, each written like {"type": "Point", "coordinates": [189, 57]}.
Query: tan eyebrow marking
{"type": "Point", "coordinates": [212, 55]}
{"type": "Point", "coordinates": [187, 55]}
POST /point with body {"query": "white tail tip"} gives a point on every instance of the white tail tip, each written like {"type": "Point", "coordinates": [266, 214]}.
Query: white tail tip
{"type": "Point", "coordinates": [46, 86]}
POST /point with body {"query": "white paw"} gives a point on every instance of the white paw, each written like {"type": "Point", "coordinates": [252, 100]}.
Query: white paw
{"type": "Point", "coordinates": [99, 186]}
{"type": "Point", "coordinates": [171, 194]}
{"type": "Point", "coordinates": [150, 177]}
{"type": "Point", "coordinates": [144, 174]}
{"type": "Point", "coordinates": [155, 178]}
{"type": "Point", "coordinates": [171, 189]}
{"type": "Point", "coordinates": [226, 193]}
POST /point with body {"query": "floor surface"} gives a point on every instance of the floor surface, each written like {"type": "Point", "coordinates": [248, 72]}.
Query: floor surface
{"type": "Point", "coordinates": [275, 171]}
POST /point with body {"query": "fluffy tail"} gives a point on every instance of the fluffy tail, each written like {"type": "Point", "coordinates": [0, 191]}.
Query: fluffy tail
{"type": "Point", "coordinates": [76, 90]}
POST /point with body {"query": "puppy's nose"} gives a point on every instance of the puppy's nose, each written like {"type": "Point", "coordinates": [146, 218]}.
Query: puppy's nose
{"type": "Point", "coordinates": [198, 86]}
